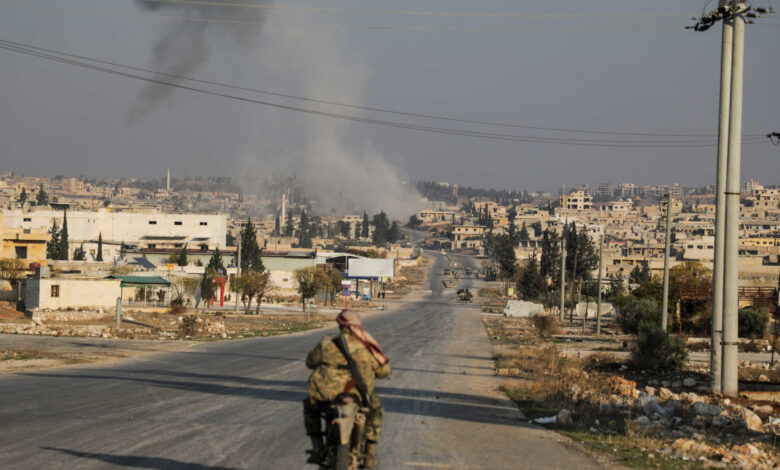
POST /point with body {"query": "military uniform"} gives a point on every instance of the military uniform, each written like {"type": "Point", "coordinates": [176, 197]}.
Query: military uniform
{"type": "Point", "coordinates": [331, 377]}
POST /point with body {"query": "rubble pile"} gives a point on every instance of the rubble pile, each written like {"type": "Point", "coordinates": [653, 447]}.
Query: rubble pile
{"type": "Point", "coordinates": [704, 428]}
{"type": "Point", "coordinates": [192, 326]}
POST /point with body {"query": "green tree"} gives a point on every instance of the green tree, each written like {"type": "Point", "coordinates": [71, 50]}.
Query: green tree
{"type": "Point", "coordinates": [523, 235]}
{"type": "Point", "coordinates": [12, 270]}
{"type": "Point", "coordinates": [79, 254]}
{"type": "Point", "coordinates": [304, 231]}
{"type": "Point", "coordinates": [99, 255]}
{"type": "Point", "coordinates": [182, 261]}
{"type": "Point", "coordinates": [640, 274]}
{"type": "Point", "coordinates": [207, 285]}
{"type": "Point", "coordinates": [43, 198]}
{"type": "Point", "coordinates": [531, 281]}
{"type": "Point", "coordinates": [251, 285]}
{"type": "Point", "coordinates": [64, 250]}
{"type": "Point", "coordinates": [638, 314]}
{"type": "Point", "coordinates": [365, 229]}
{"type": "Point", "coordinates": [414, 222]}
{"type": "Point", "coordinates": [23, 196]}
{"type": "Point", "coordinates": [251, 254]}
{"type": "Point", "coordinates": [216, 264]}
{"type": "Point", "coordinates": [277, 226]}
{"type": "Point", "coordinates": [502, 252]}
{"type": "Point", "coordinates": [382, 229]}
{"type": "Point", "coordinates": [616, 287]}
{"type": "Point", "coordinates": [309, 281]}
{"type": "Point", "coordinates": [289, 228]}
{"type": "Point", "coordinates": [53, 245]}
{"type": "Point", "coordinates": [333, 284]}
{"type": "Point", "coordinates": [550, 262]}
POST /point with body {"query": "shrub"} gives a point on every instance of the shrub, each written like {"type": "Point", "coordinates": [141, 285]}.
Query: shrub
{"type": "Point", "coordinates": [177, 308]}
{"type": "Point", "coordinates": [189, 326]}
{"type": "Point", "coordinates": [753, 322]}
{"type": "Point", "coordinates": [638, 313]}
{"type": "Point", "coordinates": [656, 348]}
{"type": "Point", "coordinates": [546, 325]}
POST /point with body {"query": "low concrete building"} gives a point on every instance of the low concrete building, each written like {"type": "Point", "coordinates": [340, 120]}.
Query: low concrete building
{"type": "Point", "coordinates": [63, 293]}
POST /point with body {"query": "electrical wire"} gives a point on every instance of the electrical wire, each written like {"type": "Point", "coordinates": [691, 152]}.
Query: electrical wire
{"type": "Point", "coordinates": [396, 124]}
{"type": "Point", "coordinates": [374, 109]}
{"type": "Point", "coordinates": [338, 27]}
{"type": "Point", "coordinates": [420, 12]}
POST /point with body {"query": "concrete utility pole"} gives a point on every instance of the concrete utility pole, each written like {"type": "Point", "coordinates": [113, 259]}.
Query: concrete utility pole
{"type": "Point", "coordinates": [598, 303]}
{"type": "Point", "coordinates": [729, 379]}
{"type": "Point", "coordinates": [720, 206]}
{"type": "Point", "coordinates": [238, 265]}
{"type": "Point", "coordinates": [563, 272]}
{"type": "Point", "coordinates": [667, 249]}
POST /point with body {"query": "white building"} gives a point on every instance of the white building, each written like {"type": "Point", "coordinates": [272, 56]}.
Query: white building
{"type": "Point", "coordinates": [145, 230]}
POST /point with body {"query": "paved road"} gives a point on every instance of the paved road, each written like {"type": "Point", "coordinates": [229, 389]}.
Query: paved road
{"type": "Point", "coordinates": [237, 405]}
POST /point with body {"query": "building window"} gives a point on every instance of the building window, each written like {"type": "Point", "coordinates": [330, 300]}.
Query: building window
{"type": "Point", "coordinates": [55, 290]}
{"type": "Point", "coordinates": [204, 223]}
{"type": "Point", "coordinates": [21, 252]}
{"type": "Point", "coordinates": [28, 219]}
{"type": "Point", "coordinates": [178, 222]}
{"type": "Point", "coordinates": [152, 222]}
{"type": "Point", "coordinates": [204, 247]}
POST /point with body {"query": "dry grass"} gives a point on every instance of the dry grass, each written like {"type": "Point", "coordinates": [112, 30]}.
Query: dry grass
{"type": "Point", "coordinates": [546, 325]}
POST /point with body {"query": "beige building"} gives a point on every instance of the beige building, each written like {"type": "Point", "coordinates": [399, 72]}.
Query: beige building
{"type": "Point", "coordinates": [576, 201]}
{"type": "Point", "coordinates": [62, 293]}
{"type": "Point", "coordinates": [467, 236]}
{"type": "Point", "coordinates": [26, 244]}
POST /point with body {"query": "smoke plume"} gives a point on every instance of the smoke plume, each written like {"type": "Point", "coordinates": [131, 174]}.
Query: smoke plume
{"type": "Point", "coordinates": [185, 43]}
{"type": "Point", "coordinates": [336, 163]}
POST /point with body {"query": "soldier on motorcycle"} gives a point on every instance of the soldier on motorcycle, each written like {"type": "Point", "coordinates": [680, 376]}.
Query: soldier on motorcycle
{"type": "Point", "coordinates": [332, 377]}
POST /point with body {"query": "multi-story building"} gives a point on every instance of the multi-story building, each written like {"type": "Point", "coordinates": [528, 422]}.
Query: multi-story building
{"type": "Point", "coordinates": [606, 191]}
{"type": "Point", "coordinates": [576, 201]}
{"type": "Point", "coordinates": [148, 230]}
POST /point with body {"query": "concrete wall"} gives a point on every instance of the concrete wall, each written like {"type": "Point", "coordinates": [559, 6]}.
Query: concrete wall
{"type": "Point", "coordinates": [73, 293]}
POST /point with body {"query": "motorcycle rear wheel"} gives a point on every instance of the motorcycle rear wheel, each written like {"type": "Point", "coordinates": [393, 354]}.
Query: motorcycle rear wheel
{"type": "Point", "coordinates": [343, 457]}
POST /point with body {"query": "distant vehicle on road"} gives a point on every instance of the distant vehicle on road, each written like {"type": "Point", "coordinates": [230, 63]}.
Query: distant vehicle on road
{"type": "Point", "coordinates": [465, 295]}
{"type": "Point", "coordinates": [469, 271]}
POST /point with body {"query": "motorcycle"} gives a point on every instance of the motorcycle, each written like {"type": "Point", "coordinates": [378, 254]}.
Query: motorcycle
{"type": "Point", "coordinates": [345, 433]}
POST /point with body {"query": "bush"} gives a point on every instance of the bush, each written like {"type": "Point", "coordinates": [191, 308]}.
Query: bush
{"type": "Point", "coordinates": [177, 308]}
{"type": "Point", "coordinates": [657, 349]}
{"type": "Point", "coordinates": [189, 326]}
{"type": "Point", "coordinates": [753, 322]}
{"type": "Point", "coordinates": [546, 325]}
{"type": "Point", "coordinates": [638, 313]}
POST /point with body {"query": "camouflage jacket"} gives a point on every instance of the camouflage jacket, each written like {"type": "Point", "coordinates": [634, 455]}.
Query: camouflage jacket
{"type": "Point", "coordinates": [331, 372]}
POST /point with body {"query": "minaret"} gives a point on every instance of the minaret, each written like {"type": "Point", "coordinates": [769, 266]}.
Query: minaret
{"type": "Point", "coordinates": [283, 211]}
{"type": "Point", "coordinates": [168, 182]}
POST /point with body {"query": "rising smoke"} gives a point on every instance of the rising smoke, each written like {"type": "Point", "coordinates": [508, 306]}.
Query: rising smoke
{"type": "Point", "coordinates": [337, 165]}
{"type": "Point", "coordinates": [186, 42]}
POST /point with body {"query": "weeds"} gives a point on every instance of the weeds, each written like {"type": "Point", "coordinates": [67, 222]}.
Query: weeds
{"type": "Point", "coordinates": [546, 325]}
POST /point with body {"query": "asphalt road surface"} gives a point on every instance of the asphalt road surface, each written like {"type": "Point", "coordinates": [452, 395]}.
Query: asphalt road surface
{"type": "Point", "coordinates": [237, 404]}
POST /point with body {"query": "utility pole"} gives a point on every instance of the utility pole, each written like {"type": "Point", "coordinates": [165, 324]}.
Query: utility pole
{"type": "Point", "coordinates": [238, 267]}
{"type": "Point", "coordinates": [725, 322]}
{"type": "Point", "coordinates": [729, 378]}
{"type": "Point", "coordinates": [598, 303]}
{"type": "Point", "coordinates": [563, 272]}
{"type": "Point", "coordinates": [720, 206]}
{"type": "Point", "coordinates": [667, 249]}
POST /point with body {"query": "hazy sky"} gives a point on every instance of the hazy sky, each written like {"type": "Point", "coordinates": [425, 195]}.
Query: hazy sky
{"type": "Point", "coordinates": [602, 64]}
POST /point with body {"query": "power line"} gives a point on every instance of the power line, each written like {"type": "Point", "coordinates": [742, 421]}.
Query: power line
{"type": "Point", "coordinates": [375, 109]}
{"type": "Point", "coordinates": [337, 27]}
{"type": "Point", "coordinates": [420, 12]}
{"type": "Point", "coordinates": [396, 124]}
